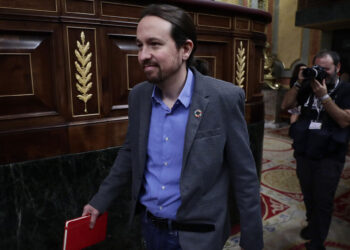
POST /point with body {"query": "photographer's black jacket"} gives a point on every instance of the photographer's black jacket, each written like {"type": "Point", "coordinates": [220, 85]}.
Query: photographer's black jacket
{"type": "Point", "coordinates": [329, 141]}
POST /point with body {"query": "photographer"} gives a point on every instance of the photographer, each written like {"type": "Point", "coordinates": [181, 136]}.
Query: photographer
{"type": "Point", "coordinates": [320, 140]}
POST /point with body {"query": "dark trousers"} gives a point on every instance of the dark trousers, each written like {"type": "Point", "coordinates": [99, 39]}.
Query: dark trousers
{"type": "Point", "coordinates": [158, 239]}
{"type": "Point", "coordinates": [318, 180]}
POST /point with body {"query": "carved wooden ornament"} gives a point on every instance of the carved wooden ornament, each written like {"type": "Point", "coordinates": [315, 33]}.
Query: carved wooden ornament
{"type": "Point", "coordinates": [240, 71]}
{"type": "Point", "coordinates": [83, 67]}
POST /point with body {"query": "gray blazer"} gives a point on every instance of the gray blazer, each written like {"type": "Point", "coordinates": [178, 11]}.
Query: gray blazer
{"type": "Point", "coordinates": [216, 153]}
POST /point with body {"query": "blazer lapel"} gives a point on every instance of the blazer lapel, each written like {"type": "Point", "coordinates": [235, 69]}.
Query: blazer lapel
{"type": "Point", "coordinates": [197, 110]}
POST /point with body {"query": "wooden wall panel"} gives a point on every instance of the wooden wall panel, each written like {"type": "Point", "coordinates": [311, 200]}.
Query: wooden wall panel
{"type": "Point", "coordinates": [99, 135]}
{"type": "Point", "coordinates": [215, 53]}
{"type": "Point", "coordinates": [38, 5]}
{"type": "Point", "coordinates": [43, 71]}
{"type": "Point", "coordinates": [124, 58]}
{"type": "Point", "coordinates": [242, 24]}
{"type": "Point", "coordinates": [256, 75]}
{"type": "Point", "coordinates": [258, 27]}
{"type": "Point", "coordinates": [121, 11]}
{"type": "Point", "coordinates": [210, 63]}
{"type": "Point", "coordinates": [25, 68]}
{"type": "Point", "coordinates": [33, 144]}
{"type": "Point", "coordinates": [134, 71]}
{"type": "Point", "coordinates": [214, 21]}
{"type": "Point", "coordinates": [80, 6]}
{"type": "Point", "coordinates": [17, 69]}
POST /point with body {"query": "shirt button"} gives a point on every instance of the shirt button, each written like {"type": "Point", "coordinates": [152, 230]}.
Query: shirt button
{"type": "Point", "coordinates": [163, 187]}
{"type": "Point", "coordinates": [160, 208]}
{"type": "Point", "coordinates": [166, 138]}
{"type": "Point", "coordinates": [165, 163]}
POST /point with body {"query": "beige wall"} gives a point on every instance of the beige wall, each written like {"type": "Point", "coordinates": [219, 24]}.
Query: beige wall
{"type": "Point", "coordinates": [289, 39]}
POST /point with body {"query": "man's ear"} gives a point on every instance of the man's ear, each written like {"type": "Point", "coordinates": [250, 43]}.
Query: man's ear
{"type": "Point", "coordinates": [338, 67]}
{"type": "Point", "coordinates": [187, 49]}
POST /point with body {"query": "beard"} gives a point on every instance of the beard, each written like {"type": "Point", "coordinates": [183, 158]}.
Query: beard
{"type": "Point", "coordinates": [153, 77]}
{"type": "Point", "coordinates": [331, 79]}
{"type": "Point", "coordinates": [157, 75]}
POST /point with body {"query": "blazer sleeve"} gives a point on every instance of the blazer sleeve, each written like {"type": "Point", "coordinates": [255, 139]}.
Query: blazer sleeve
{"type": "Point", "coordinates": [118, 177]}
{"type": "Point", "coordinates": [243, 174]}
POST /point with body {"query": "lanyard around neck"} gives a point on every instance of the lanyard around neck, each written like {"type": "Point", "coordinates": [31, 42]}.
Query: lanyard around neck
{"type": "Point", "coordinates": [318, 105]}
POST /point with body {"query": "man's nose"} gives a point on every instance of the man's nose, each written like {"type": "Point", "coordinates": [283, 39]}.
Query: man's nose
{"type": "Point", "coordinates": [144, 54]}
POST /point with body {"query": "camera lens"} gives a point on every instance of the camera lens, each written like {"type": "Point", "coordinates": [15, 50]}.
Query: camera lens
{"type": "Point", "coordinates": [309, 73]}
{"type": "Point", "coordinates": [315, 72]}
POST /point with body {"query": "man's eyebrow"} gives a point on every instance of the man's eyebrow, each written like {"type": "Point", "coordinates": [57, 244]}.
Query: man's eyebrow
{"type": "Point", "coordinates": [154, 38]}
{"type": "Point", "coordinates": [150, 40]}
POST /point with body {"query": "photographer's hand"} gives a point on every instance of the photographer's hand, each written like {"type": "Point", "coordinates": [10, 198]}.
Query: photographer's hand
{"type": "Point", "coordinates": [341, 116]}
{"type": "Point", "coordinates": [290, 98]}
{"type": "Point", "coordinates": [300, 74]}
{"type": "Point", "coordinates": [319, 89]}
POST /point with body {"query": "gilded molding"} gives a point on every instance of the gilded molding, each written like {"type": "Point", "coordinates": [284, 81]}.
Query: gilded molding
{"type": "Point", "coordinates": [269, 60]}
{"type": "Point", "coordinates": [83, 67]}
{"type": "Point", "coordinates": [71, 70]}
{"type": "Point", "coordinates": [240, 64]}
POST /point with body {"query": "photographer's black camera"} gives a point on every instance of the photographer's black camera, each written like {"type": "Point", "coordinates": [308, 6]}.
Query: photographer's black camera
{"type": "Point", "coordinates": [315, 72]}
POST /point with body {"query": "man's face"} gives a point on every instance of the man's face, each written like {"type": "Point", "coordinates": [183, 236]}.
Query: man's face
{"type": "Point", "coordinates": [158, 54]}
{"type": "Point", "coordinates": [332, 70]}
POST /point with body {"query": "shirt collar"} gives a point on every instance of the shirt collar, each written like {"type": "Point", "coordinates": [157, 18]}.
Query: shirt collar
{"type": "Point", "coordinates": [336, 83]}
{"type": "Point", "coordinates": [185, 95]}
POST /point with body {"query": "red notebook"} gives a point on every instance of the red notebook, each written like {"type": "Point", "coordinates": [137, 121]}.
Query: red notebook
{"type": "Point", "coordinates": [78, 235]}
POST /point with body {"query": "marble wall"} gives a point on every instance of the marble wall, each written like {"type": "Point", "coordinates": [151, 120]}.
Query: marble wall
{"type": "Point", "coordinates": [37, 197]}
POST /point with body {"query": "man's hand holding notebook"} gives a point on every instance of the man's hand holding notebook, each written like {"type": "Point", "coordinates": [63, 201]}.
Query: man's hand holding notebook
{"type": "Point", "coordinates": [80, 232]}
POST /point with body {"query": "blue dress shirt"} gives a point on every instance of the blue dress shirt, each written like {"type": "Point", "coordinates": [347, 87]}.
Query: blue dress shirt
{"type": "Point", "coordinates": [164, 152]}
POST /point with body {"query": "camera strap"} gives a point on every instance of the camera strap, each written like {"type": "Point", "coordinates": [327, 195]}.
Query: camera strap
{"type": "Point", "coordinates": [313, 101]}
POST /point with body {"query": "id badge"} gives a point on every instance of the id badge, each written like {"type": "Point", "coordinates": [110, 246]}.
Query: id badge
{"type": "Point", "coordinates": [315, 125]}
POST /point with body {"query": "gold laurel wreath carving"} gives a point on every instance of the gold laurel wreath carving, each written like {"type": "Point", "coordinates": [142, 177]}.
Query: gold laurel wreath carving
{"type": "Point", "coordinates": [241, 58]}
{"type": "Point", "coordinates": [83, 67]}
